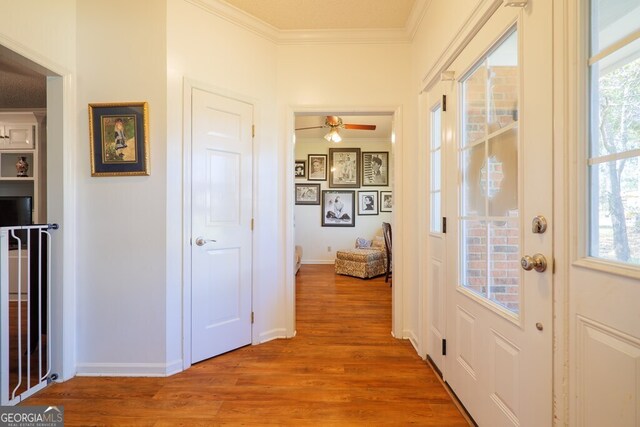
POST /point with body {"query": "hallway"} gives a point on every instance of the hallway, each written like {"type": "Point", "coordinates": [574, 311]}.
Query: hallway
{"type": "Point", "coordinates": [342, 368]}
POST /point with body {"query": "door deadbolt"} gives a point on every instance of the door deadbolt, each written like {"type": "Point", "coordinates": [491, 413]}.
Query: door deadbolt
{"type": "Point", "coordinates": [539, 225]}
{"type": "Point", "coordinates": [536, 262]}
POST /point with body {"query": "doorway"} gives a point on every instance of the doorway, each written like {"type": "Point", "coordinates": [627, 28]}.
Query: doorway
{"type": "Point", "coordinates": [310, 231]}
{"type": "Point", "coordinates": [44, 90]}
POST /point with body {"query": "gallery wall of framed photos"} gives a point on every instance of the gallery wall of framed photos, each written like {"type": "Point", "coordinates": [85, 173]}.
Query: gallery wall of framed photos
{"type": "Point", "coordinates": [339, 196]}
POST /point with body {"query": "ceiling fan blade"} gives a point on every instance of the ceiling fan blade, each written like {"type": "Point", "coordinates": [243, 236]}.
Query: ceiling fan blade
{"type": "Point", "coordinates": [359, 127]}
{"type": "Point", "coordinates": [312, 127]}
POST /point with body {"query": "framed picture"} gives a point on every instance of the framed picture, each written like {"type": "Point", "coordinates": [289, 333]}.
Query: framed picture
{"type": "Point", "coordinates": [119, 138]}
{"type": "Point", "coordinates": [338, 208]}
{"type": "Point", "coordinates": [317, 167]}
{"type": "Point", "coordinates": [344, 167]}
{"type": "Point", "coordinates": [307, 194]}
{"type": "Point", "coordinates": [367, 203]}
{"type": "Point", "coordinates": [375, 168]}
{"type": "Point", "coordinates": [386, 201]}
{"type": "Point", "coordinates": [301, 169]}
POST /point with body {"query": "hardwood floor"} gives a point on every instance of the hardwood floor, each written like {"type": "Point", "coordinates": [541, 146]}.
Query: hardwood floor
{"type": "Point", "coordinates": [342, 368]}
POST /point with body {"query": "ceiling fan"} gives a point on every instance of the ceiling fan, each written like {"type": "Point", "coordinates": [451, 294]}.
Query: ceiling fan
{"type": "Point", "coordinates": [334, 123]}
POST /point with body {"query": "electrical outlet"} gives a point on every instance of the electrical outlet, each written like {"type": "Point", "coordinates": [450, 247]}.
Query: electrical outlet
{"type": "Point", "coordinates": [328, 248]}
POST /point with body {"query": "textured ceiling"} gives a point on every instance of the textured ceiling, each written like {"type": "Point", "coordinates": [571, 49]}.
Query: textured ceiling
{"type": "Point", "coordinates": [328, 14]}
{"type": "Point", "coordinates": [20, 86]}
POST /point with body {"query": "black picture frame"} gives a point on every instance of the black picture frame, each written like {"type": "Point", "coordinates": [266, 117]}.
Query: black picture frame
{"type": "Point", "coordinates": [342, 215]}
{"type": "Point", "coordinates": [344, 167]}
{"type": "Point", "coordinates": [317, 167]}
{"type": "Point", "coordinates": [300, 169]}
{"type": "Point", "coordinates": [307, 194]}
{"type": "Point", "coordinates": [367, 203]}
{"type": "Point", "coordinates": [386, 201]}
{"type": "Point", "coordinates": [119, 138]}
{"type": "Point", "coordinates": [375, 168]}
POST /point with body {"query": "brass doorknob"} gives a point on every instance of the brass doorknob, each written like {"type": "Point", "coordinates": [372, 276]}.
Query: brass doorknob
{"type": "Point", "coordinates": [536, 262]}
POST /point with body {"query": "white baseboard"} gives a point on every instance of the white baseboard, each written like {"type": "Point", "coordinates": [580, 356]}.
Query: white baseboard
{"type": "Point", "coordinates": [413, 339]}
{"type": "Point", "coordinates": [273, 334]}
{"type": "Point", "coordinates": [129, 369]}
{"type": "Point", "coordinates": [318, 261]}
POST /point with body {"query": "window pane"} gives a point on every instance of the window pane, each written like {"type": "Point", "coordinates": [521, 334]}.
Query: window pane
{"type": "Point", "coordinates": [475, 105]}
{"type": "Point", "coordinates": [435, 170]}
{"type": "Point", "coordinates": [503, 84]}
{"type": "Point", "coordinates": [474, 259]}
{"type": "Point", "coordinates": [616, 101]}
{"type": "Point", "coordinates": [504, 263]}
{"type": "Point", "coordinates": [436, 127]}
{"type": "Point", "coordinates": [615, 210]}
{"type": "Point", "coordinates": [611, 21]}
{"type": "Point", "coordinates": [436, 222]}
{"type": "Point", "coordinates": [473, 188]}
{"type": "Point", "coordinates": [502, 174]}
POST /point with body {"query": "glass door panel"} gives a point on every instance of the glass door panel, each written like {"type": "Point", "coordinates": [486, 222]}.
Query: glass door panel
{"type": "Point", "coordinates": [490, 221]}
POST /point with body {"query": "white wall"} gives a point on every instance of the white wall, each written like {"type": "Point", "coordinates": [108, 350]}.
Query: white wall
{"type": "Point", "coordinates": [223, 57]}
{"type": "Point", "coordinates": [121, 234]}
{"type": "Point", "coordinates": [309, 233]}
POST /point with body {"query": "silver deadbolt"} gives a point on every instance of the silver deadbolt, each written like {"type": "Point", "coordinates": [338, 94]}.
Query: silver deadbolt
{"type": "Point", "coordinates": [201, 241]}
{"type": "Point", "coordinates": [539, 225]}
{"type": "Point", "coordinates": [536, 262]}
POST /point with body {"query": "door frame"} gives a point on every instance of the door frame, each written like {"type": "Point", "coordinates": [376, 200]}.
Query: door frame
{"type": "Point", "coordinates": [397, 327]}
{"type": "Point", "coordinates": [188, 86]}
{"type": "Point", "coordinates": [61, 200]}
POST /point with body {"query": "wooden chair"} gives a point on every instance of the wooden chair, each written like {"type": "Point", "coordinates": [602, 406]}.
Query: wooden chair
{"type": "Point", "coordinates": [386, 232]}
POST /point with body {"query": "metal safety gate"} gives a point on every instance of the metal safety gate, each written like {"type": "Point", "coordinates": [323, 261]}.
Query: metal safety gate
{"type": "Point", "coordinates": [25, 311]}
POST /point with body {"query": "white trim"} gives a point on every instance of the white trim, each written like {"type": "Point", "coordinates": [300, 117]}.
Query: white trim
{"type": "Point", "coordinates": [129, 369]}
{"type": "Point", "coordinates": [615, 156]}
{"type": "Point", "coordinates": [317, 261]}
{"type": "Point", "coordinates": [614, 47]}
{"type": "Point", "coordinates": [480, 15]}
{"type": "Point", "coordinates": [271, 335]}
{"type": "Point", "coordinates": [267, 31]}
{"type": "Point", "coordinates": [562, 64]}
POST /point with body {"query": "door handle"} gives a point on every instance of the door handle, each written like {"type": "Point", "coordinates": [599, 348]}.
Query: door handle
{"type": "Point", "coordinates": [201, 241]}
{"type": "Point", "coordinates": [536, 262]}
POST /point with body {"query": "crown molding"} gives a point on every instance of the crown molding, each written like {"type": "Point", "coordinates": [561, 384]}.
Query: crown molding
{"type": "Point", "coordinates": [238, 17]}
{"type": "Point", "coordinates": [291, 37]}
{"type": "Point", "coordinates": [415, 17]}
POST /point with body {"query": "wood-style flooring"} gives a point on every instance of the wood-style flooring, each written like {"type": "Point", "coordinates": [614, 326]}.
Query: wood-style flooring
{"type": "Point", "coordinates": [343, 368]}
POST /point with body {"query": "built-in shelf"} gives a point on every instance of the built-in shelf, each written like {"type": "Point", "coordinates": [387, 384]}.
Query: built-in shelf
{"type": "Point", "coordinates": [18, 138]}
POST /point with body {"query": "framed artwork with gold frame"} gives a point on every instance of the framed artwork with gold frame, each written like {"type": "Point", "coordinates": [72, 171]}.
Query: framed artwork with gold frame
{"type": "Point", "coordinates": [119, 138]}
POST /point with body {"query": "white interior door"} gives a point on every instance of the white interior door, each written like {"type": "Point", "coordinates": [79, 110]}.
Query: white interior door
{"type": "Point", "coordinates": [221, 224]}
{"type": "Point", "coordinates": [499, 324]}
{"type": "Point", "coordinates": [436, 289]}
{"type": "Point", "coordinates": [604, 286]}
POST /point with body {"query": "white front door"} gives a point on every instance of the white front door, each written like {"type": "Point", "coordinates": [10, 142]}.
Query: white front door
{"type": "Point", "coordinates": [499, 316]}
{"type": "Point", "coordinates": [221, 224]}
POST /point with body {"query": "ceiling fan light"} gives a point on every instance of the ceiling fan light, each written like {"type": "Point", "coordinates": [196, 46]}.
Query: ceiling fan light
{"type": "Point", "coordinates": [333, 135]}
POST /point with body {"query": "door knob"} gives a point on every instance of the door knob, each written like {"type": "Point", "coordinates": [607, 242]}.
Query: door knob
{"type": "Point", "coordinates": [536, 262]}
{"type": "Point", "coordinates": [201, 241]}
